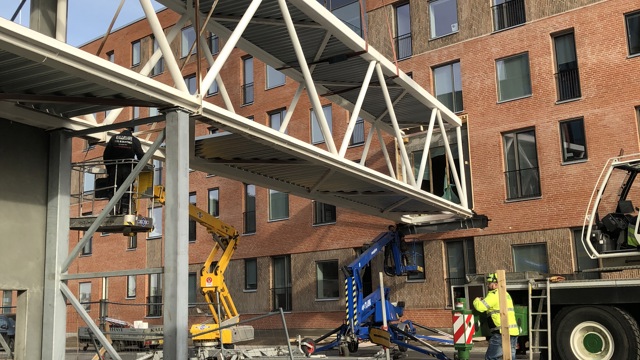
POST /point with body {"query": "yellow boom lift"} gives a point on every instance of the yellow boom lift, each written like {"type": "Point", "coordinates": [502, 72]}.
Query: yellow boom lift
{"type": "Point", "coordinates": [212, 284]}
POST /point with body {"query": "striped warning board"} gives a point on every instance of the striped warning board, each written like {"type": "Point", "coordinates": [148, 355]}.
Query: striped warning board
{"type": "Point", "coordinates": [463, 328]}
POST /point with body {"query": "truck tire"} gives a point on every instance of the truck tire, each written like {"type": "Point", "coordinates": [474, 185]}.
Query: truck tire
{"type": "Point", "coordinates": [595, 332]}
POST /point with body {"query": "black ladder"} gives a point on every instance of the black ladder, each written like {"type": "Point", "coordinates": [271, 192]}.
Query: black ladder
{"type": "Point", "coordinates": [539, 319]}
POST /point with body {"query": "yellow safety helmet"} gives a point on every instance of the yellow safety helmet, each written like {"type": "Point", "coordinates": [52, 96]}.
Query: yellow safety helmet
{"type": "Point", "coordinates": [493, 277]}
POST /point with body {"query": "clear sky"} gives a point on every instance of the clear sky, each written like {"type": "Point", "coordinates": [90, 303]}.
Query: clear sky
{"type": "Point", "coordinates": [87, 19]}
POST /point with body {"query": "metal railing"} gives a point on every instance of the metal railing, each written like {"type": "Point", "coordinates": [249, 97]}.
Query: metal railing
{"type": "Point", "coordinates": [568, 83]}
{"type": "Point", "coordinates": [523, 183]}
{"type": "Point", "coordinates": [509, 13]}
{"type": "Point", "coordinates": [403, 46]}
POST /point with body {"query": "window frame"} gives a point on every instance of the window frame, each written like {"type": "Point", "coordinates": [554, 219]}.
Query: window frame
{"type": "Point", "coordinates": [156, 233]}
{"type": "Point", "coordinates": [136, 53]}
{"type": "Point", "coordinates": [319, 212]}
{"type": "Point", "coordinates": [87, 249]}
{"type": "Point", "coordinates": [564, 145]}
{"type": "Point", "coordinates": [453, 79]}
{"type": "Point", "coordinates": [501, 98]}
{"type": "Point", "coordinates": [193, 236]}
{"type": "Point", "coordinates": [135, 289]}
{"type": "Point", "coordinates": [273, 74]}
{"type": "Point", "coordinates": [629, 33]}
{"type": "Point", "coordinates": [403, 39]}
{"type": "Point", "coordinates": [250, 285]}
{"type": "Point", "coordinates": [333, 263]}
{"type": "Point", "coordinates": [358, 135]}
{"type": "Point", "coordinates": [517, 159]}
{"type": "Point", "coordinates": [248, 78]}
{"type": "Point", "coordinates": [249, 208]}
{"type": "Point", "coordinates": [282, 113]}
{"type": "Point", "coordinates": [271, 200]}
{"type": "Point", "coordinates": [529, 257]}
{"type": "Point", "coordinates": [214, 44]}
{"type": "Point", "coordinates": [316, 129]}
{"type": "Point", "coordinates": [213, 204]}
{"type": "Point", "coordinates": [158, 68]}
{"type": "Point", "coordinates": [190, 82]}
{"type": "Point", "coordinates": [433, 22]}
{"type": "Point", "coordinates": [85, 303]}
{"type": "Point", "coordinates": [185, 35]}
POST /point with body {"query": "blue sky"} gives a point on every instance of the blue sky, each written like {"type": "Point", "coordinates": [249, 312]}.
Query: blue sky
{"type": "Point", "coordinates": [87, 20]}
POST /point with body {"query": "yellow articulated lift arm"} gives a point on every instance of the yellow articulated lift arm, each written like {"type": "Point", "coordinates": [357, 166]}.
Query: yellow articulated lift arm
{"type": "Point", "coordinates": [212, 282]}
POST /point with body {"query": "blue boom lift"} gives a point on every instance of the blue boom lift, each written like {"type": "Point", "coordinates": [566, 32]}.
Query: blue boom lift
{"type": "Point", "coordinates": [364, 321]}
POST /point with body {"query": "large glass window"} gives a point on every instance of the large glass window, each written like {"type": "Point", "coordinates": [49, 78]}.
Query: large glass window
{"type": "Point", "coordinates": [131, 286]}
{"type": "Point", "coordinates": [274, 78]}
{"type": "Point", "coordinates": [214, 202]}
{"type": "Point", "coordinates": [444, 17]}
{"type": "Point", "coordinates": [530, 257]}
{"type": "Point", "coordinates": [7, 301]}
{"type": "Point", "coordinates": [508, 13]}
{"type": "Point", "coordinates": [188, 38]}
{"type": "Point", "coordinates": [567, 75]}
{"type": "Point", "coordinates": [193, 288]}
{"type": "Point", "coordinates": [521, 164]}
{"type": "Point", "coordinates": [158, 68]}
{"type": "Point", "coordinates": [87, 249]}
{"type": "Point", "coordinates": [133, 242]}
{"type": "Point", "coordinates": [192, 223]}
{"type": "Point", "coordinates": [251, 274]}
{"type": "Point", "coordinates": [276, 118]}
{"type": "Point", "coordinates": [154, 301]}
{"type": "Point", "coordinates": [327, 280]}
{"type": "Point", "coordinates": [357, 137]}
{"type": "Point", "coordinates": [278, 205]}
{"type": "Point", "coordinates": [414, 255]}
{"type": "Point", "coordinates": [282, 283]}
{"type": "Point", "coordinates": [633, 32]}
{"type": "Point", "coordinates": [190, 81]}
{"type": "Point", "coordinates": [448, 86]}
{"type": "Point", "coordinates": [514, 80]}
{"type": "Point", "coordinates": [573, 140]}
{"type": "Point", "coordinates": [247, 83]}
{"type": "Point", "coordinates": [316, 133]}
{"type": "Point", "coordinates": [214, 44]}
{"type": "Point", "coordinates": [156, 214]}
{"type": "Point", "coordinates": [403, 31]}
{"type": "Point", "coordinates": [135, 53]}
{"type": "Point", "coordinates": [323, 213]}
{"type": "Point", "coordinates": [348, 11]}
{"type": "Point", "coordinates": [85, 295]}
{"type": "Point", "coordinates": [249, 208]}
{"type": "Point", "coordinates": [213, 89]}
{"type": "Point", "coordinates": [461, 261]}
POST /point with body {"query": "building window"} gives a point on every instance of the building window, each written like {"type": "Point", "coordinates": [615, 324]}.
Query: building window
{"type": "Point", "coordinates": [193, 288]}
{"type": "Point", "coordinates": [158, 68]}
{"type": "Point", "coordinates": [276, 118]}
{"type": "Point", "coordinates": [357, 137]}
{"type": "Point", "coordinates": [247, 84]}
{"type": "Point", "coordinates": [154, 301]}
{"type": "Point", "coordinates": [282, 283]}
{"type": "Point", "coordinates": [530, 257]}
{"type": "Point", "coordinates": [214, 202]}
{"type": "Point", "coordinates": [190, 81]}
{"type": "Point", "coordinates": [403, 32]}
{"type": "Point", "coordinates": [444, 17]}
{"type": "Point", "coordinates": [187, 40]}
{"type": "Point", "coordinates": [192, 223]}
{"type": "Point", "coordinates": [415, 256]}
{"type": "Point", "coordinates": [461, 261]}
{"type": "Point", "coordinates": [567, 75]}
{"type": "Point", "coordinates": [274, 78]}
{"type": "Point", "coordinates": [155, 214]}
{"type": "Point", "coordinates": [348, 11]}
{"type": "Point", "coordinates": [507, 13]}
{"type": "Point", "coordinates": [213, 89]}
{"type": "Point", "coordinates": [136, 112]}
{"type": "Point", "coordinates": [135, 53]}
{"type": "Point", "coordinates": [251, 274]}
{"type": "Point", "coordinates": [327, 280]}
{"type": "Point", "coordinates": [111, 56]}
{"type": "Point", "coordinates": [437, 176]}
{"type": "Point", "coordinates": [316, 133]}
{"type": "Point", "coordinates": [521, 163]}
{"type": "Point", "coordinates": [85, 295]}
{"type": "Point", "coordinates": [514, 80]}
{"type": "Point", "coordinates": [214, 44]}
{"type": "Point", "coordinates": [323, 213]}
{"type": "Point", "coordinates": [278, 205]}
{"type": "Point", "coordinates": [249, 209]}
{"type": "Point", "coordinates": [153, 111]}
{"type": "Point", "coordinates": [7, 301]}
{"type": "Point", "coordinates": [157, 172]}
{"type": "Point", "coordinates": [131, 286]}
{"type": "Point", "coordinates": [133, 242]}
{"type": "Point", "coordinates": [633, 32]}
{"type": "Point", "coordinates": [574, 142]}
{"type": "Point", "coordinates": [448, 86]}
{"type": "Point", "coordinates": [88, 183]}
{"type": "Point", "coordinates": [87, 249]}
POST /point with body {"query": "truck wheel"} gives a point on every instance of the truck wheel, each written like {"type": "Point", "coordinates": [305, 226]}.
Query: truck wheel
{"type": "Point", "coordinates": [353, 346]}
{"type": "Point", "coordinates": [595, 332]}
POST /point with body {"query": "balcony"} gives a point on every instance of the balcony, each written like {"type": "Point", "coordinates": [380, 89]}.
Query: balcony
{"type": "Point", "coordinates": [523, 183]}
{"type": "Point", "coordinates": [247, 94]}
{"type": "Point", "coordinates": [568, 83]}
{"type": "Point", "coordinates": [508, 14]}
{"type": "Point", "coordinates": [403, 46]}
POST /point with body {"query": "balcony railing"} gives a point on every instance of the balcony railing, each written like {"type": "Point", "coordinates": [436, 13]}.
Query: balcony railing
{"type": "Point", "coordinates": [247, 94]}
{"type": "Point", "coordinates": [403, 46]}
{"type": "Point", "coordinates": [509, 13]}
{"type": "Point", "coordinates": [282, 298]}
{"type": "Point", "coordinates": [249, 226]}
{"type": "Point", "coordinates": [523, 183]}
{"type": "Point", "coordinates": [154, 305]}
{"type": "Point", "coordinates": [568, 83]}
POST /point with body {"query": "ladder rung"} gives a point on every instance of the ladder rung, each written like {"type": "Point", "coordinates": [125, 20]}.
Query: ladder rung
{"type": "Point", "coordinates": [539, 296]}
{"type": "Point", "coordinates": [538, 313]}
{"type": "Point", "coordinates": [538, 347]}
{"type": "Point", "coordinates": [532, 330]}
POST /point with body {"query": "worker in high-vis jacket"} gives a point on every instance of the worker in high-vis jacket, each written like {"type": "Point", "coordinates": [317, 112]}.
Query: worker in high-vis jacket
{"type": "Point", "coordinates": [491, 305]}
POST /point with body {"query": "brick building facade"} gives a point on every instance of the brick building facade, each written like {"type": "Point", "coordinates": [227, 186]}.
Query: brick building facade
{"type": "Point", "coordinates": [544, 88]}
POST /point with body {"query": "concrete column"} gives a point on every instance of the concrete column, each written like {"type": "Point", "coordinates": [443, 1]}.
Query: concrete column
{"type": "Point", "coordinates": [56, 245]}
{"type": "Point", "coordinates": [176, 232]}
